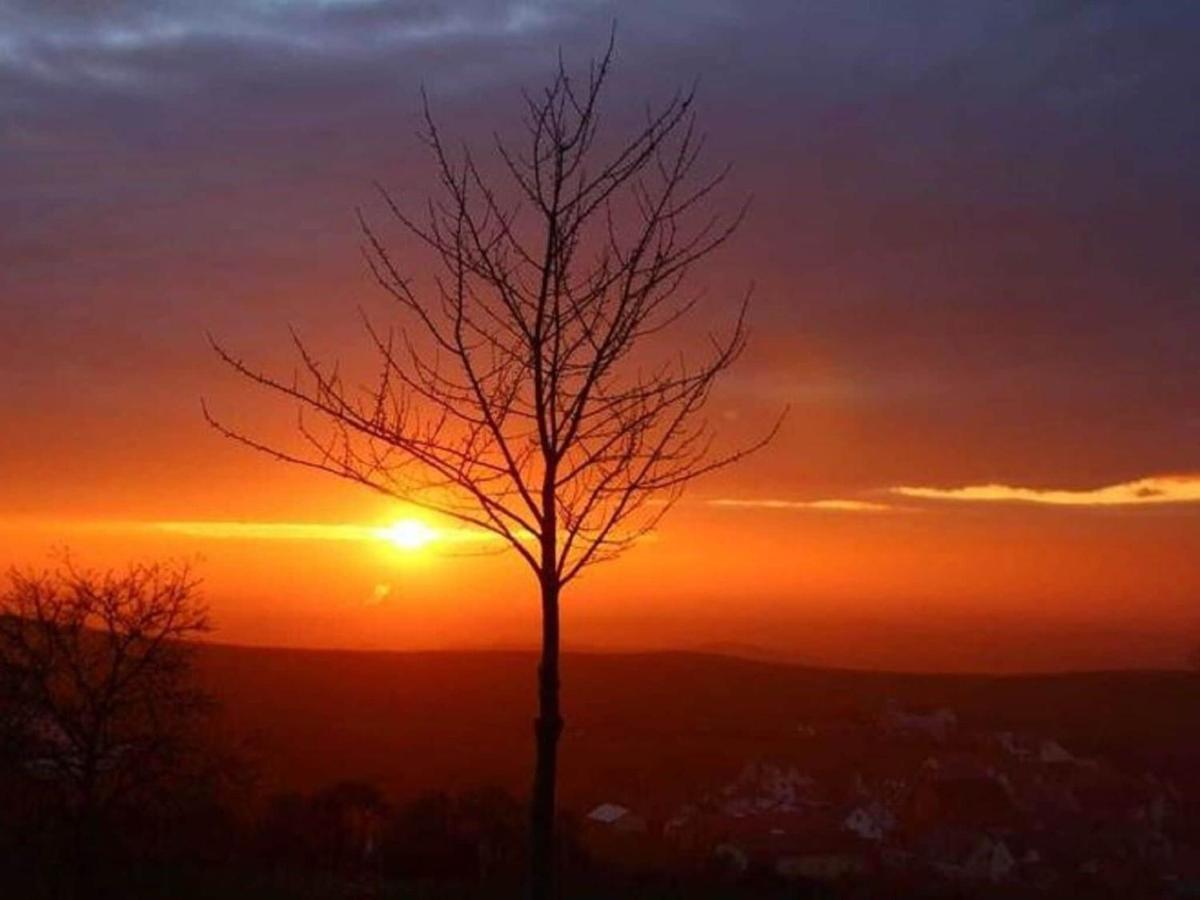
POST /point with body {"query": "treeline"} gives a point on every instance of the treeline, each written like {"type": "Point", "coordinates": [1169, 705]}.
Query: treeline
{"type": "Point", "coordinates": [346, 840]}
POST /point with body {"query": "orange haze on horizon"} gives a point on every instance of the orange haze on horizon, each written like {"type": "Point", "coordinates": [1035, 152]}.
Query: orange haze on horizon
{"type": "Point", "coordinates": [916, 588]}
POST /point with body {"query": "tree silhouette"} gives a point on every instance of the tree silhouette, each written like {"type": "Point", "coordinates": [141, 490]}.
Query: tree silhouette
{"type": "Point", "coordinates": [99, 699]}
{"type": "Point", "coordinates": [528, 399]}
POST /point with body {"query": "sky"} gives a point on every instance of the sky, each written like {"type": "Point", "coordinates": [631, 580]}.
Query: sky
{"type": "Point", "coordinates": [972, 238]}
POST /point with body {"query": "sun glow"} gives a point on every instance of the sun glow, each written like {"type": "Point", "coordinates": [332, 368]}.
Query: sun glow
{"type": "Point", "coordinates": [408, 534]}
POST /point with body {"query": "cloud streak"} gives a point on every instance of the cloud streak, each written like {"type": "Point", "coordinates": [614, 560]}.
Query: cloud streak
{"type": "Point", "coordinates": [314, 531]}
{"type": "Point", "coordinates": [1151, 491]}
{"type": "Point", "coordinates": [828, 505]}
{"type": "Point", "coordinates": [119, 46]}
{"type": "Point", "coordinates": [403, 532]}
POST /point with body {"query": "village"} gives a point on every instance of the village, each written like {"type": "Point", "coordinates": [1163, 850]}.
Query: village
{"type": "Point", "coordinates": [913, 804]}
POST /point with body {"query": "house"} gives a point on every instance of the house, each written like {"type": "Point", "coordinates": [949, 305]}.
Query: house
{"type": "Point", "coordinates": [936, 725]}
{"type": "Point", "coordinates": [989, 860]}
{"type": "Point", "coordinates": [1019, 746]}
{"type": "Point", "coordinates": [763, 842]}
{"type": "Point", "coordinates": [617, 818]}
{"type": "Point", "coordinates": [617, 835]}
{"type": "Point", "coordinates": [1051, 752]}
{"type": "Point", "coordinates": [968, 854]}
{"type": "Point", "coordinates": [792, 846]}
{"type": "Point", "coordinates": [870, 821]}
{"type": "Point", "coordinates": [1046, 751]}
{"type": "Point", "coordinates": [764, 787]}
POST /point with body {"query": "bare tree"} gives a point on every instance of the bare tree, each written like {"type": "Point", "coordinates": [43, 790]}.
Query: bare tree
{"type": "Point", "coordinates": [526, 399]}
{"type": "Point", "coordinates": [98, 695]}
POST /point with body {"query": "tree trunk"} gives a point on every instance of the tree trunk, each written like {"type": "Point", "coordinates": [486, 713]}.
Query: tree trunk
{"type": "Point", "coordinates": [83, 846]}
{"type": "Point", "coordinates": [546, 727]}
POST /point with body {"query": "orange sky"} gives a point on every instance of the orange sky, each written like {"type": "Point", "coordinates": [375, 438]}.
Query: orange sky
{"type": "Point", "coordinates": [917, 586]}
{"type": "Point", "coordinates": [973, 244]}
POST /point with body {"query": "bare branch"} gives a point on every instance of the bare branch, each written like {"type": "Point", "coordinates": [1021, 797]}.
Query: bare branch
{"type": "Point", "coordinates": [513, 391]}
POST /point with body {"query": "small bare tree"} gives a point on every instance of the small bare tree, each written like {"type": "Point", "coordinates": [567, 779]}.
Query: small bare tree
{"type": "Point", "coordinates": [527, 400]}
{"type": "Point", "coordinates": [98, 695]}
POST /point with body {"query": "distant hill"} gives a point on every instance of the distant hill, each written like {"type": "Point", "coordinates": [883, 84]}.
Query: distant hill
{"type": "Point", "coordinates": [748, 651]}
{"type": "Point", "coordinates": [653, 724]}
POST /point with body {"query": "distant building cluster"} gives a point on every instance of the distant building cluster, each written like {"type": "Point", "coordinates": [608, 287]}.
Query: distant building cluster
{"type": "Point", "coordinates": [908, 799]}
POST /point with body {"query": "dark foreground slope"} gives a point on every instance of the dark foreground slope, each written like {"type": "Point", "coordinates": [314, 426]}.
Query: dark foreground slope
{"type": "Point", "coordinates": [656, 726]}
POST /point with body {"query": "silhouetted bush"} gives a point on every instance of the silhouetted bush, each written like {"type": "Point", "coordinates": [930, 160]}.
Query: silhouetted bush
{"type": "Point", "coordinates": [105, 753]}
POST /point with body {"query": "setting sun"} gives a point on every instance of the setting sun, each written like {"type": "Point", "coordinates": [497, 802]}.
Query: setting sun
{"type": "Point", "coordinates": [408, 534]}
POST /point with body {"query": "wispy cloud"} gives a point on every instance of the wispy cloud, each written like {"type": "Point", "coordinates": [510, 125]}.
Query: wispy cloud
{"type": "Point", "coordinates": [405, 532]}
{"type": "Point", "coordinates": [828, 505]}
{"type": "Point", "coordinates": [267, 531]}
{"type": "Point", "coordinates": [126, 45]}
{"type": "Point", "coordinates": [1153, 490]}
